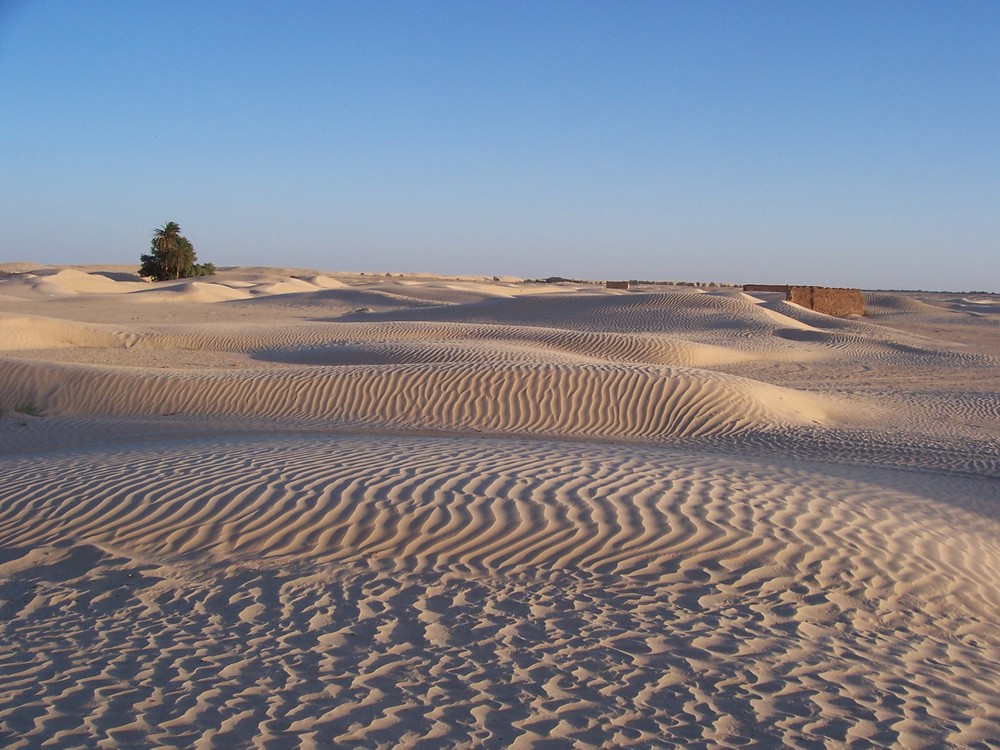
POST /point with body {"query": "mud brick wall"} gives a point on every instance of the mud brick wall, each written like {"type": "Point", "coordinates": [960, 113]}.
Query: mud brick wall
{"type": "Point", "coordinates": [783, 288]}
{"type": "Point", "coordinates": [617, 285]}
{"type": "Point", "coordinates": [828, 300]}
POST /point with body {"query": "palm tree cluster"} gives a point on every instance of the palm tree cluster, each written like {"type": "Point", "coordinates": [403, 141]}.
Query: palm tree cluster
{"type": "Point", "coordinates": [172, 256]}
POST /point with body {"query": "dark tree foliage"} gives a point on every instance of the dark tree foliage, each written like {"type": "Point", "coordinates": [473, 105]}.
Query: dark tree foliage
{"type": "Point", "coordinates": [171, 256]}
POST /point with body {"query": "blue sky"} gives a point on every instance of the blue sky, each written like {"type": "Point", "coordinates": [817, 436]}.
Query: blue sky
{"type": "Point", "coordinates": [838, 143]}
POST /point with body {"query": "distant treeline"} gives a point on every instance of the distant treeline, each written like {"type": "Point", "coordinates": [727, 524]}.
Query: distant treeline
{"type": "Point", "coordinates": [932, 291]}
{"type": "Point", "coordinates": [642, 282]}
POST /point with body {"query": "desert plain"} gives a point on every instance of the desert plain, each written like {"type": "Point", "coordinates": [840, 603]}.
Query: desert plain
{"type": "Point", "coordinates": [286, 508]}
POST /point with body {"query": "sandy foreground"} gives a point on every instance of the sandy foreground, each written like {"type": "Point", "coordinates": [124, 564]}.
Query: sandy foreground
{"type": "Point", "coordinates": [279, 508]}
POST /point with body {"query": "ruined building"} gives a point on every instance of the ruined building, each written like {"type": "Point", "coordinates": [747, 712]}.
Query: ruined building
{"type": "Point", "coordinates": [823, 299]}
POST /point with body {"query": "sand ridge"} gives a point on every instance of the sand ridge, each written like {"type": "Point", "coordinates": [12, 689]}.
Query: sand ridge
{"type": "Point", "coordinates": [291, 508]}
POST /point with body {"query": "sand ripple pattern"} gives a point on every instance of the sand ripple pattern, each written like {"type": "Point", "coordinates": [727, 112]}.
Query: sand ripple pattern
{"type": "Point", "coordinates": [290, 511]}
{"type": "Point", "coordinates": [277, 591]}
{"type": "Point", "coordinates": [605, 400]}
{"type": "Point", "coordinates": [401, 341]}
{"type": "Point", "coordinates": [387, 342]}
{"type": "Point", "coordinates": [729, 316]}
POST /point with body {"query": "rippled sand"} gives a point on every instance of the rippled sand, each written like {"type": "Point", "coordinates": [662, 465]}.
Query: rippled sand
{"type": "Point", "coordinates": [281, 508]}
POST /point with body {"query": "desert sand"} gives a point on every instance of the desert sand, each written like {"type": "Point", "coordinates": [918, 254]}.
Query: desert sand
{"type": "Point", "coordinates": [285, 508]}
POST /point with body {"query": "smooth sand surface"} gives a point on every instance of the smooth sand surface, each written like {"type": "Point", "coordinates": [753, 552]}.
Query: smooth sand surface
{"type": "Point", "coordinates": [292, 508]}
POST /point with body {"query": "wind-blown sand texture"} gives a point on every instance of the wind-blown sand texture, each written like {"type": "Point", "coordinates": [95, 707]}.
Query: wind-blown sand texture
{"type": "Point", "coordinates": [277, 508]}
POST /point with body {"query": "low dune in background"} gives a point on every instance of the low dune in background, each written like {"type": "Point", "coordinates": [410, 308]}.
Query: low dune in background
{"type": "Point", "coordinates": [289, 508]}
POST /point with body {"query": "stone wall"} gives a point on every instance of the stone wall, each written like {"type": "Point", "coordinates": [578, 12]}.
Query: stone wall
{"type": "Point", "coordinates": [618, 285]}
{"type": "Point", "coordinates": [828, 300]}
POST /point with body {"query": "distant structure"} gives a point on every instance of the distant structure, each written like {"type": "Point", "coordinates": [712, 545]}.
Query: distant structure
{"type": "Point", "coordinates": [626, 285]}
{"type": "Point", "coordinates": [823, 299]}
{"type": "Point", "coordinates": [783, 288]}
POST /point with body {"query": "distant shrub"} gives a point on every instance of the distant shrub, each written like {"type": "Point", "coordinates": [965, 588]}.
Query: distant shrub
{"type": "Point", "coordinates": [202, 269]}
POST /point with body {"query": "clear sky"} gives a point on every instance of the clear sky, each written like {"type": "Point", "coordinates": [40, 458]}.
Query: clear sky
{"type": "Point", "coordinates": [837, 143]}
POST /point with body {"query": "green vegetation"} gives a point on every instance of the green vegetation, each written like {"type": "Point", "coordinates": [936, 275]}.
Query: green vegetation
{"type": "Point", "coordinates": [559, 280]}
{"type": "Point", "coordinates": [27, 410]}
{"type": "Point", "coordinates": [172, 256]}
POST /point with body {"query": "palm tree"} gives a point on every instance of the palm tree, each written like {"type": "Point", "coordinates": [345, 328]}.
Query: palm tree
{"type": "Point", "coordinates": [184, 257]}
{"type": "Point", "coordinates": [166, 244]}
{"type": "Point", "coordinates": [172, 256]}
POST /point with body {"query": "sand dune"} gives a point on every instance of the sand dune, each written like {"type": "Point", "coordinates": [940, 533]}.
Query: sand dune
{"type": "Point", "coordinates": [27, 333]}
{"type": "Point", "coordinates": [302, 509]}
{"type": "Point", "coordinates": [596, 400]}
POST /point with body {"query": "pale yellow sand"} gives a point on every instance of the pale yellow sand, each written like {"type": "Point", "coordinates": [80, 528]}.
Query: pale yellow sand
{"type": "Point", "coordinates": [290, 508]}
